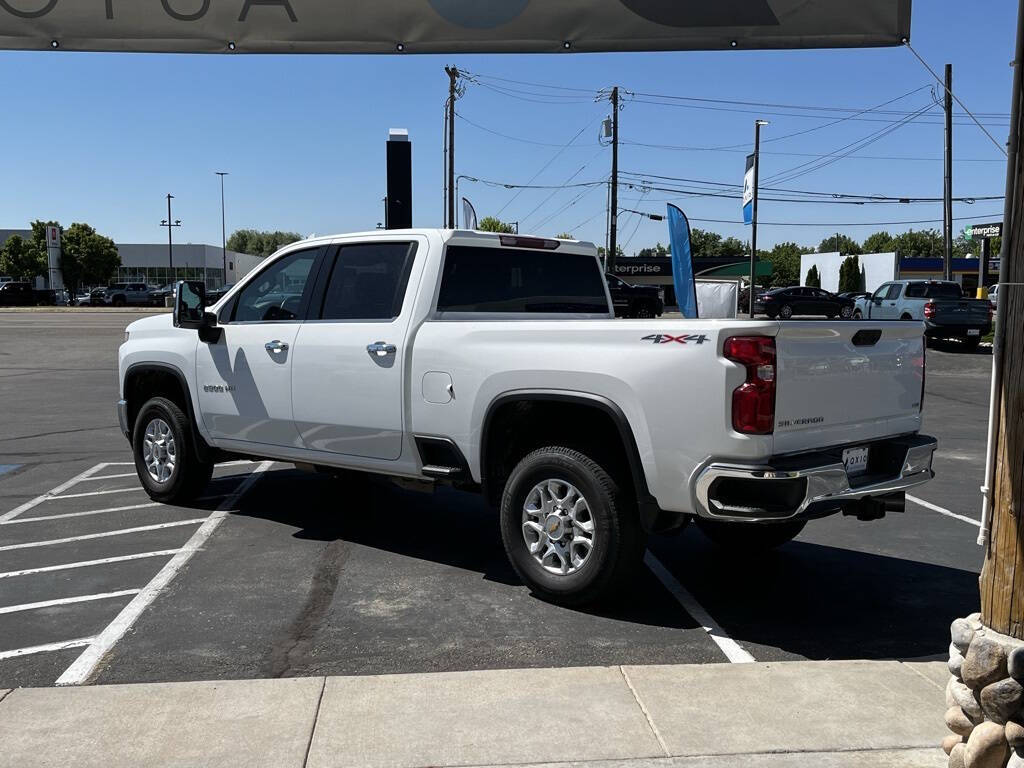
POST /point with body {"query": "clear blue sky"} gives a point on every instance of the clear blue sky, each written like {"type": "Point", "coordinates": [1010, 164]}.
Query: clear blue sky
{"type": "Point", "coordinates": [102, 138]}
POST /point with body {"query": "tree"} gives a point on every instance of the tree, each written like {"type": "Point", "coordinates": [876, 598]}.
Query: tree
{"type": "Point", "coordinates": [260, 243]}
{"type": "Point", "coordinates": [926, 243]}
{"type": "Point", "coordinates": [785, 261]}
{"type": "Point", "coordinates": [880, 242]}
{"type": "Point", "coordinates": [813, 278]}
{"type": "Point", "coordinates": [602, 251]}
{"type": "Point", "coordinates": [841, 243]}
{"type": "Point", "coordinates": [18, 259]}
{"type": "Point", "coordinates": [850, 275]}
{"type": "Point", "coordinates": [734, 248]}
{"type": "Point", "coordinates": [565, 236]}
{"type": "Point", "coordinates": [493, 224]}
{"type": "Point", "coordinates": [657, 251]}
{"type": "Point", "coordinates": [704, 244]}
{"type": "Point", "coordinates": [87, 256]}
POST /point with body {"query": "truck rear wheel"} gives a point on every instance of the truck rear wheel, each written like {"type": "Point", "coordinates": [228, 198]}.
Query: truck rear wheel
{"type": "Point", "coordinates": [569, 531]}
{"type": "Point", "coordinates": [165, 456]}
{"type": "Point", "coordinates": [749, 538]}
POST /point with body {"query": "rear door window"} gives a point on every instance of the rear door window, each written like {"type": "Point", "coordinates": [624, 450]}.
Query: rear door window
{"type": "Point", "coordinates": [368, 281]}
{"type": "Point", "coordinates": [514, 280]}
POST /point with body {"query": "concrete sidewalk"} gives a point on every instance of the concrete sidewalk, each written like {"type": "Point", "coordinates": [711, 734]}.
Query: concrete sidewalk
{"type": "Point", "coordinates": [778, 715]}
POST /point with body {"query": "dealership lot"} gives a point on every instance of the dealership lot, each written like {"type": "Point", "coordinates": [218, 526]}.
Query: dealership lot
{"type": "Point", "coordinates": [279, 573]}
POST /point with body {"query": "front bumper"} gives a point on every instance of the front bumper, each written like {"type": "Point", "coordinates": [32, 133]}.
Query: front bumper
{"type": "Point", "coordinates": [122, 418]}
{"type": "Point", "coordinates": [811, 484]}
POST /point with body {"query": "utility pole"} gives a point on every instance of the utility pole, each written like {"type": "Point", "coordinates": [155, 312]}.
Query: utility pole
{"type": "Point", "coordinates": [170, 241]}
{"type": "Point", "coordinates": [613, 222]}
{"type": "Point", "coordinates": [223, 227]}
{"type": "Point", "coordinates": [1002, 574]}
{"type": "Point", "coordinates": [453, 78]}
{"type": "Point", "coordinates": [947, 194]}
{"type": "Point", "coordinates": [753, 219]}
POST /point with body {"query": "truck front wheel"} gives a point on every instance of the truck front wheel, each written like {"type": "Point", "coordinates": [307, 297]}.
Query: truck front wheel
{"type": "Point", "coordinates": [749, 538]}
{"type": "Point", "coordinates": [165, 457]}
{"type": "Point", "coordinates": [571, 533]}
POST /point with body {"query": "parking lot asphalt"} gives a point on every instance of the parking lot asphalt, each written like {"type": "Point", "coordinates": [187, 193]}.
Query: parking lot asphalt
{"type": "Point", "coordinates": [304, 574]}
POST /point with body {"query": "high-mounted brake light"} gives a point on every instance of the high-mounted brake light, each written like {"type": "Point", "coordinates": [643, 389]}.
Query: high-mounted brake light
{"type": "Point", "coordinates": [753, 402]}
{"type": "Point", "coordinates": [540, 243]}
{"type": "Point", "coordinates": [929, 310]}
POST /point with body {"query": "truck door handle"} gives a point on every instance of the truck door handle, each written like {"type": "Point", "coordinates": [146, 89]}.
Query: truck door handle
{"type": "Point", "coordinates": [381, 348]}
{"type": "Point", "coordinates": [275, 346]}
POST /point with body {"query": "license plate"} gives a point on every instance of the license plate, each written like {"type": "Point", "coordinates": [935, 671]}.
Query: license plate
{"type": "Point", "coordinates": [856, 461]}
{"type": "Point", "coordinates": [974, 332]}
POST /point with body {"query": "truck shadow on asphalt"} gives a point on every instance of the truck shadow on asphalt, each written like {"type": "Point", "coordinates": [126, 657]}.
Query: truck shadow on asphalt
{"type": "Point", "coordinates": [805, 600]}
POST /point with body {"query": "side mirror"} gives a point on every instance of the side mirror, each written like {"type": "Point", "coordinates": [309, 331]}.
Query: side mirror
{"type": "Point", "coordinates": [189, 303]}
{"type": "Point", "coordinates": [877, 301]}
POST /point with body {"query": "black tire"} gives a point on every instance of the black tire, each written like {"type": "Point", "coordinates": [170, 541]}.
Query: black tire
{"type": "Point", "coordinates": [117, 301]}
{"type": "Point", "coordinates": [750, 538]}
{"type": "Point", "coordinates": [905, 317]}
{"type": "Point", "coordinates": [858, 315]}
{"type": "Point", "coordinates": [785, 312]}
{"type": "Point", "coordinates": [618, 541]}
{"type": "Point", "coordinates": [846, 313]}
{"type": "Point", "coordinates": [643, 310]}
{"type": "Point", "coordinates": [190, 475]}
{"type": "Point", "coordinates": [971, 343]}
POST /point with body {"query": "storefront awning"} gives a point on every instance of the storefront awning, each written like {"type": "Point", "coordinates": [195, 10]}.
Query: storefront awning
{"type": "Point", "coordinates": [448, 26]}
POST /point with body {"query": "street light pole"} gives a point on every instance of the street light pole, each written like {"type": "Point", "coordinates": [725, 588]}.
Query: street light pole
{"type": "Point", "coordinates": [170, 224]}
{"type": "Point", "coordinates": [223, 227]}
{"type": "Point", "coordinates": [753, 220]}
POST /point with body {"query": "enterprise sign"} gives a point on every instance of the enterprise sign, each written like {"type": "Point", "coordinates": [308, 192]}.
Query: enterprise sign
{"type": "Point", "coordinates": [435, 26]}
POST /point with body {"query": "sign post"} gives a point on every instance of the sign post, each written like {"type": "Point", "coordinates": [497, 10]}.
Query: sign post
{"type": "Point", "coordinates": [985, 233]}
{"type": "Point", "coordinates": [56, 278]}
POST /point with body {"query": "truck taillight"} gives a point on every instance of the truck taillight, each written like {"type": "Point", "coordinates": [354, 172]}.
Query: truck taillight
{"type": "Point", "coordinates": [753, 402]}
{"type": "Point", "coordinates": [929, 310]}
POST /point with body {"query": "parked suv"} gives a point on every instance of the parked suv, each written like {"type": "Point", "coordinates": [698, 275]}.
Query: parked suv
{"type": "Point", "coordinates": [635, 300]}
{"type": "Point", "coordinates": [124, 294]}
{"type": "Point", "coordinates": [17, 294]}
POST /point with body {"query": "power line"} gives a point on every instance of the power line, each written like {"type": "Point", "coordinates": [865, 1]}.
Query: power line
{"type": "Point", "coordinates": [738, 150]}
{"type": "Point", "coordinates": [556, 191]}
{"type": "Point", "coordinates": [954, 96]}
{"type": "Point", "coordinates": [545, 167]}
{"type": "Point", "coordinates": [843, 224]}
{"type": "Point", "coordinates": [509, 137]}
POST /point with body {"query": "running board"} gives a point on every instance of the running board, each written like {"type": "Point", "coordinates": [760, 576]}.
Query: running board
{"type": "Point", "coordinates": [432, 470]}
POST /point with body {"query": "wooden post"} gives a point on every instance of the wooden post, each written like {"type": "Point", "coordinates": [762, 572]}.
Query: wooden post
{"type": "Point", "coordinates": [1002, 575]}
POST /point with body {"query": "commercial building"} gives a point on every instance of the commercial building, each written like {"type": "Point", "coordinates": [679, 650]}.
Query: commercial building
{"type": "Point", "coordinates": [151, 263]}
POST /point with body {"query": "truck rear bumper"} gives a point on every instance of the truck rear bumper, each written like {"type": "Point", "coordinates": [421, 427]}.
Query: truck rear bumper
{"type": "Point", "coordinates": [947, 331]}
{"type": "Point", "coordinates": [812, 484]}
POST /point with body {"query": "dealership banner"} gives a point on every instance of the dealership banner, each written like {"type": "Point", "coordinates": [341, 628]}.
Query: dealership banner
{"type": "Point", "coordinates": [448, 26]}
{"type": "Point", "coordinates": [682, 262]}
{"type": "Point", "coordinates": [748, 192]}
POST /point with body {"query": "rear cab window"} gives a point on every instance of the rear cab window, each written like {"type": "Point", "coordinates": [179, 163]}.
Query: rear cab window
{"type": "Point", "coordinates": [516, 281]}
{"type": "Point", "coordinates": [934, 291]}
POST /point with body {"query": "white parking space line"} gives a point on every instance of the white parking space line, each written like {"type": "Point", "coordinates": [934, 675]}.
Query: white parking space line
{"type": "Point", "coordinates": [943, 511]}
{"type": "Point", "coordinates": [88, 563]}
{"type": "Point", "coordinates": [108, 477]}
{"type": "Point", "coordinates": [48, 648]}
{"type": "Point", "coordinates": [81, 514]}
{"type": "Point", "coordinates": [80, 671]}
{"type": "Point", "coordinates": [104, 534]}
{"type": "Point", "coordinates": [66, 601]}
{"type": "Point", "coordinates": [732, 650]}
{"type": "Point", "coordinates": [51, 493]}
{"type": "Point", "coordinates": [97, 493]}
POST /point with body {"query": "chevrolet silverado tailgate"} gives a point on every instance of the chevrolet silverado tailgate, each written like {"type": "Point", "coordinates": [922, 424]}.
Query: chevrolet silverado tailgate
{"type": "Point", "coordinates": [847, 382]}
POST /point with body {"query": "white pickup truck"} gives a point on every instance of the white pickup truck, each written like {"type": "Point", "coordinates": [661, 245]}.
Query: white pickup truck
{"type": "Point", "coordinates": [494, 363]}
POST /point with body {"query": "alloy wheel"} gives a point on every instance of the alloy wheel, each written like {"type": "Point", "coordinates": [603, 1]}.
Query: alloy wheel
{"type": "Point", "coordinates": [159, 451]}
{"type": "Point", "coordinates": [558, 527]}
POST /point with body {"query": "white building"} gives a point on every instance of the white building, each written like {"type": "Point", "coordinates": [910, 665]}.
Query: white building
{"type": "Point", "coordinates": [878, 268]}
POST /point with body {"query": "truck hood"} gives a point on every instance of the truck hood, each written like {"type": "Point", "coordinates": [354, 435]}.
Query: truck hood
{"type": "Point", "coordinates": [152, 323]}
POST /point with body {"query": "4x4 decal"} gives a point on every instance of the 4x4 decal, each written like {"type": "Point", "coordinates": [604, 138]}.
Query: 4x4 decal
{"type": "Point", "coordinates": [664, 338]}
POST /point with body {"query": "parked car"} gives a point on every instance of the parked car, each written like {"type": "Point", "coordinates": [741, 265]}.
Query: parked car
{"type": "Point", "coordinates": [993, 295]}
{"type": "Point", "coordinates": [854, 295]}
{"type": "Point", "coordinates": [743, 299]}
{"type": "Point", "coordinates": [635, 300]}
{"type": "Point", "coordinates": [341, 353]}
{"type": "Point", "coordinates": [216, 294]}
{"type": "Point", "coordinates": [18, 293]}
{"type": "Point", "coordinates": [784, 303]}
{"type": "Point", "coordinates": [127, 294]}
{"type": "Point", "coordinates": [939, 304]}
{"type": "Point", "coordinates": [159, 294]}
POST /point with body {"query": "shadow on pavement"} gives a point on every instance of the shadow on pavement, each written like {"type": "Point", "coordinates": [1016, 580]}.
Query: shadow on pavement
{"type": "Point", "coordinates": [806, 600]}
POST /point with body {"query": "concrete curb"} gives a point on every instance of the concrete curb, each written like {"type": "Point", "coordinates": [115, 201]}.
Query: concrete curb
{"type": "Point", "coordinates": [85, 310]}
{"type": "Point", "coordinates": [773, 715]}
